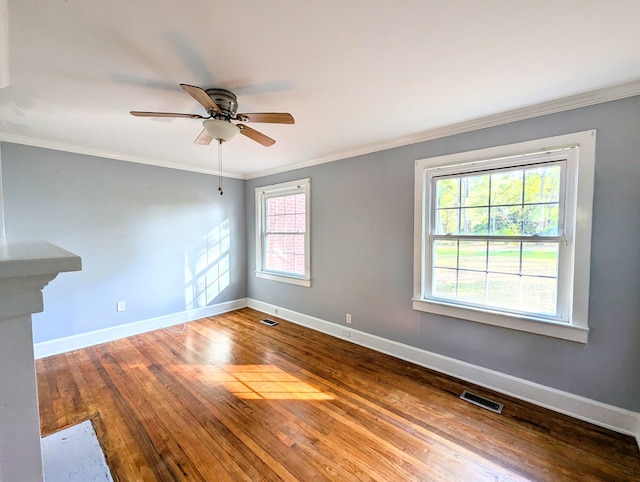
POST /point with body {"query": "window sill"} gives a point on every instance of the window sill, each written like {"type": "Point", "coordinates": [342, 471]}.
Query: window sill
{"type": "Point", "coordinates": [540, 327]}
{"type": "Point", "coordinates": [284, 278]}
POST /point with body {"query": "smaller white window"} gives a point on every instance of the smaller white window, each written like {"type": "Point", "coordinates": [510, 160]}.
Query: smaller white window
{"type": "Point", "coordinates": [283, 232]}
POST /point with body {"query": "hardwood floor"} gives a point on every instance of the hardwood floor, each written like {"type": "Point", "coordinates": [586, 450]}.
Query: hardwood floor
{"type": "Point", "coordinates": [232, 399]}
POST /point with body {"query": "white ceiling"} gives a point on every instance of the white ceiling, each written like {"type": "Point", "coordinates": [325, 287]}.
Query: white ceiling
{"type": "Point", "coordinates": [357, 75]}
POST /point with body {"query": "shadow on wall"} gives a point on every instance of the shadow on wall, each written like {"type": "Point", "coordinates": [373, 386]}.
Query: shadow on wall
{"type": "Point", "coordinates": [207, 268]}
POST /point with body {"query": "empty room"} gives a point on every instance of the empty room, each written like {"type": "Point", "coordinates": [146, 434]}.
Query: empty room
{"type": "Point", "coordinates": [333, 240]}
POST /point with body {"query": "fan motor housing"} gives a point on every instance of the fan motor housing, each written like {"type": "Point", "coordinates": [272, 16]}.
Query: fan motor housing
{"type": "Point", "coordinates": [226, 101]}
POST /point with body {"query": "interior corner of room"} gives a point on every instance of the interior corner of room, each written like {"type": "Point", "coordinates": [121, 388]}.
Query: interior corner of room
{"type": "Point", "coordinates": [146, 234]}
{"type": "Point", "coordinates": [163, 243]}
{"type": "Point", "coordinates": [160, 247]}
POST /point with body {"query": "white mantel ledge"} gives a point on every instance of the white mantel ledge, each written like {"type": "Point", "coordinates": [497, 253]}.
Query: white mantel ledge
{"type": "Point", "coordinates": [26, 268]}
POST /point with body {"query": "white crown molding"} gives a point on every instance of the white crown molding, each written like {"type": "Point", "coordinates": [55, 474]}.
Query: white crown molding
{"type": "Point", "coordinates": [4, 44]}
{"type": "Point", "coordinates": [592, 411]}
{"type": "Point", "coordinates": [585, 99]}
{"type": "Point", "coordinates": [90, 151]}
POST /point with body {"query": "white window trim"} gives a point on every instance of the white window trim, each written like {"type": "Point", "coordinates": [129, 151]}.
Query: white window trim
{"type": "Point", "coordinates": [577, 329]}
{"type": "Point", "coordinates": [281, 189]}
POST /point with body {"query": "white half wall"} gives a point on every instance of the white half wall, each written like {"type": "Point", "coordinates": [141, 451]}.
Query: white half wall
{"type": "Point", "coordinates": [20, 454]}
{"type": "Point", "coordinates": [4, 44]}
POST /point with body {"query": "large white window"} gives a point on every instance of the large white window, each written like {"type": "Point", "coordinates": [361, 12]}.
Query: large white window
{"type": "Point", "coordinates": [502, 235]}
{"type": "Point", "coordinates": [282, 232]}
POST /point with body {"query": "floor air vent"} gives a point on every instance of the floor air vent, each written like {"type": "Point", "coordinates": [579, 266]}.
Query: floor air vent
{"type": "Point", "coordinates": [268, 322]}
{"type": "Point", "coordinates": [482, 402]}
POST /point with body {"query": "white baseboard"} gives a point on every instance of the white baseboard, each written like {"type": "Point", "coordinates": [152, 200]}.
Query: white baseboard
{"type": "Point", "coordinates": [75, 342]}
{"type": "Point", "coordinates": [598, 413]}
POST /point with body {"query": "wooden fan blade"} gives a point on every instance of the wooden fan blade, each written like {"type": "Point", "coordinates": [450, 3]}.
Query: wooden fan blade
{"type": "Point", "coordinates": [204, 139]}
{"type": "Point", "coordinates": [268, 117]}
{"type": "Point", "coordinates": [139, 113]}
{"type": "Point", "coordinates": [201, 96]}
{"type": "Point", "coordinates": [253, 134]}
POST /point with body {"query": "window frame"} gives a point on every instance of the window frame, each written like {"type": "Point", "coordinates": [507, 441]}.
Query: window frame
{"type": "Point", "coordinates": [576, 236]}
{"type": "Point", "coordinates": [564, 158]}
{"type": "Point", "coordinates": [262, 194]}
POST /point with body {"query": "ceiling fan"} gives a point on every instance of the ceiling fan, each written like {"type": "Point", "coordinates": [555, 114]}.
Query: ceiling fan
{"type": "Point", "coordinates": [222, 106]}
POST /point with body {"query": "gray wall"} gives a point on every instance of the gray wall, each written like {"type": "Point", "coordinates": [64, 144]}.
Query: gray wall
{"type": "Point", "coordinates": [2, 232]}
{"type": "Point", "coordinates": [136, 227]}
{"type": "Point", "coordinates": [362, 248]}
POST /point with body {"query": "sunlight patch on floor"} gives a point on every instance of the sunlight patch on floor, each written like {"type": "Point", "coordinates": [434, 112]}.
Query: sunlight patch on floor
{"type": "Point", "coordinates": [257, 382]}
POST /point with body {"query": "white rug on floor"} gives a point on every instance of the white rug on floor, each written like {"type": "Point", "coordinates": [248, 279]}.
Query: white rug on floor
{"type": "Point", "coordinates": [74, 454]}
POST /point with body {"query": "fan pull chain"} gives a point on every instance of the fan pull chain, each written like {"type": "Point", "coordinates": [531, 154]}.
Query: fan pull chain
{"type": "Point", "coordinates": [220, 167]}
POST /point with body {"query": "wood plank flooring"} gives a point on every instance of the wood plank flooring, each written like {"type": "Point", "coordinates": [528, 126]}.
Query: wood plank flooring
{"type": "Point", "coordinates": [231, 399]}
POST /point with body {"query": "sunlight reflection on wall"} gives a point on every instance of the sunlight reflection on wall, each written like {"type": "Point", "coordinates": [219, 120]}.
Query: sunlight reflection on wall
{"type": "Point", "coordinates": [207, 267]}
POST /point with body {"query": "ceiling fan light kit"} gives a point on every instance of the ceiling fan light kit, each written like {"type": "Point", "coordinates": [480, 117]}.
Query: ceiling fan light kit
{"type": "Point", "coordinates": [222, 107]}
{"type": "Point", "coordinates": [220, 130]}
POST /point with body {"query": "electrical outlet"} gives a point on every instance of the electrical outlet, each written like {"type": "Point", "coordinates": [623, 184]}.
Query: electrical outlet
{"type": "Point", "coordinates": [120, 306]}
{"type": "Point", "coordinates": [348, 319]}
